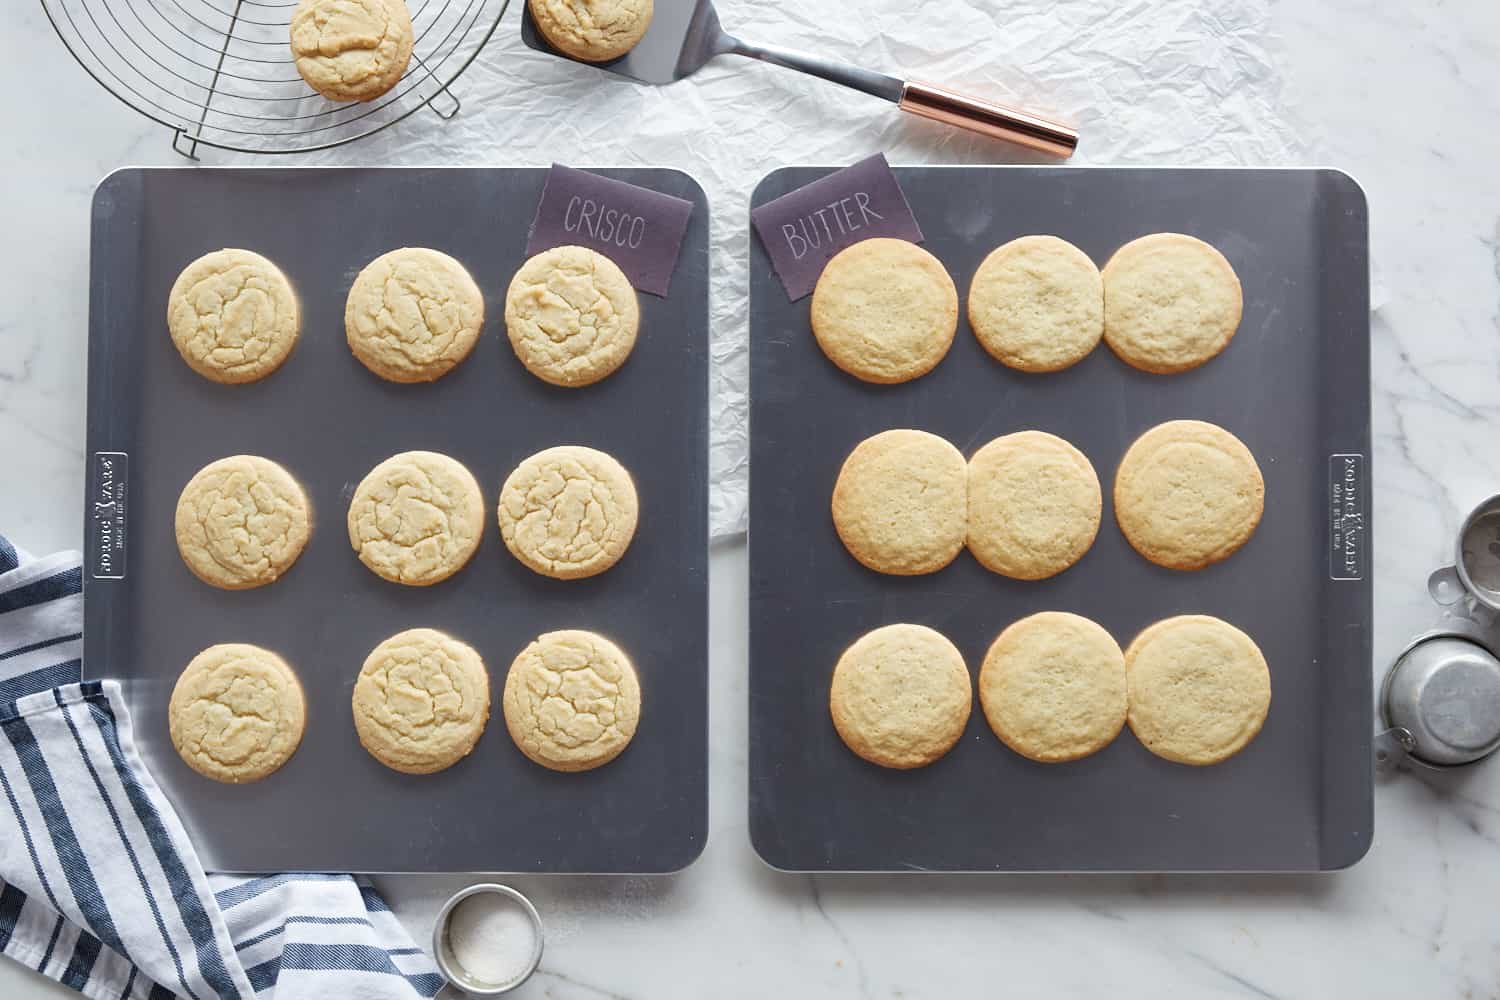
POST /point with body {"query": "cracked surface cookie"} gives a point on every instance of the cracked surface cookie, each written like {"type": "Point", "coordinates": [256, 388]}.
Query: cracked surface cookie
{"type": "Point", "coordinates": [900, 696]}
{"type": "Point", "coordinates": [1034, 505]}
{"type": "Point", "coordinates": [1037, 304]}
{"type": "Point", "coordinates": [1199, 689]}
{"type": "Point", "coordinates": [413, 314]}
{"type": "Point", "coordinates": [1171, 302]}
{"type": "Point", "coordinates": [885, 310]}
{"type": "Point", "coordinates": [351, 50]}
{"type": "Point", "coordinates": [241, 522]}
{"type": "Point", "coordinates": [1053, 687]}
{"type": "Point", "coordinates": [898, 504]}
{"type": "Point", "coordinates": [236, 713]}
{"type": "Point", "coordinates": [421, 701]}
{"type": "Point", "coordinates": [572, 701]}
{"type": "Point", "coordinates": [568, 512]}
{"type": "Point", "coordinates": [233, 316]}
{"type": "Point", "coordinates": [417, 518]}
{"type": "Point", "coordinates": [592, 30]}
{"type": "Point", "coordinates": [571, 316]}
{"type": "Point", "coordinates": [1188, 494]}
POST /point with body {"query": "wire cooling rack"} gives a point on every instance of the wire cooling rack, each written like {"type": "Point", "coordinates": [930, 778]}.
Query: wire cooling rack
{"type": "Point", "coordinates": [220, 73]}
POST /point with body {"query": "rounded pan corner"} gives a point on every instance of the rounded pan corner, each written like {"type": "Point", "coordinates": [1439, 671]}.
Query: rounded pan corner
{"type": "Point", "coordinates": [766, 855]}
{"type": "Point", "coordinates": [105, 185]}
{"type": "Point", "coordinates": [1347, 184]}
{"type": "Point", "coordinates": [691, 857]}
{"type": "Point", "coordinates": [757, 197]}
{"type": "Point", "coordinates": [697, 188]}
{"type": "Point", "coordinates": [1357, 850]}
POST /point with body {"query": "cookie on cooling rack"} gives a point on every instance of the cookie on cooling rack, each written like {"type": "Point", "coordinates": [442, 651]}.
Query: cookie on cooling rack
{"type": "Point", "coordinates": [351, 50]}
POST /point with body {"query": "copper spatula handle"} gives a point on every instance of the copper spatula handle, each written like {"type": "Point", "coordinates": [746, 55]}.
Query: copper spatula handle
{"type": "Point", "coordinates": [994, 120]}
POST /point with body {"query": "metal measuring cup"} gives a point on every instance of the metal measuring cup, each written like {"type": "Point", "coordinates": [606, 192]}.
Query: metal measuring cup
{"type": "Point", "coordinates": [1441, 698]}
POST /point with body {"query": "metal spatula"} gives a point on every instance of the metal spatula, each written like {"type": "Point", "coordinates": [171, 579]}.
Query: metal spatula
{"type": "Point", "coordinates": [685, 34]}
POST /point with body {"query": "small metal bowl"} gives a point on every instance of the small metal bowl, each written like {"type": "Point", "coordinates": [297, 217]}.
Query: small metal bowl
{"type": "Point", "coordinates": [453, 970]}
{"type": "Point", "coordinates": [1443, 693]}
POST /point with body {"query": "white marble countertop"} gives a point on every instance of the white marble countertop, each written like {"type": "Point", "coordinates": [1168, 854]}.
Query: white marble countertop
{"type": "Point", "coordinates": [1406, 98]}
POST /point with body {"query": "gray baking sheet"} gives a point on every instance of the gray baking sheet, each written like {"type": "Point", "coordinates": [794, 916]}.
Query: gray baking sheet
{"type": "Point", "coordinates": [1294, 385]}
{"type": "Point", "coordinates": [329, 421]}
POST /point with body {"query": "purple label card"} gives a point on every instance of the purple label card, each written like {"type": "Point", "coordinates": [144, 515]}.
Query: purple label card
{"type": "Point", "coordinates": [639, 229]}
{"type": "Point", "coordinates": [803, 229]}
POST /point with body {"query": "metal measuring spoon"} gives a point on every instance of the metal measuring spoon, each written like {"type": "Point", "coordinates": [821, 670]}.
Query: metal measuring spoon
{"type": "Point", "coordinates": [685, 34]}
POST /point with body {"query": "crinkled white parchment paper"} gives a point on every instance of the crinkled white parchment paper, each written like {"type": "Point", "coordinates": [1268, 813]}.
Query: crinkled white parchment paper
{"type": "Point", "coordinates": [1163, 82]}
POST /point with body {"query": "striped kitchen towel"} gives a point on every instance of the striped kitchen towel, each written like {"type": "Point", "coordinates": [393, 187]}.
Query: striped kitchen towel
{"type": "Point", "coordinates": [100, 888]}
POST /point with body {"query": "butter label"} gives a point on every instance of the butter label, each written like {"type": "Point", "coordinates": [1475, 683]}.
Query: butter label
{"type": "Point", "coordinates": [803, 229]}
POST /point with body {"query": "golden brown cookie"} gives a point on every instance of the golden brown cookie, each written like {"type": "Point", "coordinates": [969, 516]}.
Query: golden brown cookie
{"type": "Point", "coordinates": [1034, 505]}
{"type": "Point", "coordinates": [571, 316]}
{"type": "Point", "coordinates": [351, 50]}
{"type": "Point", "coordinates": [900, 696]}
{"type": "Point", "coordinates": [1199, 689]}
{"type": "Point", "coordinates": [568, 512]}
{"type": "Point", "coordinates": [885, 310]}
{"type": "Point", "coordinates": [572, 701]}
{"type": "Point", "coordinates": [1188, 494]}
{"type": "Point", "coordinates": [1171, 302]}
{"type": "Point", "coordinates": [1053, 687]}
{"type": "Point", "coordinates": [1037, 304]}
{"type": "Point", "coordinates": [237, 713]}
{"type": "Point", "coordinates": [233, 316]}
{"type": "Point", "coordinates": [421, 701]}
{"type": "Point", "coordinates": [592, 30]}
{"type": "Point", "coordinates": [241, 522]}
{"type": "Point", "coordinates": [417, 518]}
{"type": "Point", "coordinates": [413, 314]}
{"type": "Point", "coordinates": [898, 504]}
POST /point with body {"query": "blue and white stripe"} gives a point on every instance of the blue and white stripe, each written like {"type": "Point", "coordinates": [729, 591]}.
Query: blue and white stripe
{"type": "Point", "coordinates": [100, 887]}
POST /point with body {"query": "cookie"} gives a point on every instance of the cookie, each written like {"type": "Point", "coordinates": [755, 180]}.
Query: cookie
{"type": "Point", "coordinates": [412, 315]}
{"type": "Point", "coordinates": [885, 310]}
{"type": "Point", "coordinates": [1171, 302]}
{"type": "Point", "coordinates": [1188, 494]}
{"type": "Point", "coordinates": [237, 713]}
{"type": "Point", "coordinates": [421, 701]}
{"type": "Point", "coordinates": [1053, 687]}
{"type": "Point", "coordinates": [900, 696]}
{"type": "Point", "coordinates": [351, 50]}
{"type": "Point", "coordinates": [592, 30]}
{"type": "Point", "coordinates": [1034, 505]}
{"type": "Point", "coordinates": [898, 504]}
{"type": "Point", "coordinates": [1199, 689]}
{"type": "Point", "coordinates": [416, 518]}
{"type": "Point", "coordinates": [572, 701]}
{"type": "Point", "coordinates": [233, 316]}
{"type": "Point", "coordinates": [241, 522]}
{"type": "Point", "coordinates": [568, 512]}
{"type": "Point", "coordinates": [571, 316]}
{"type": "Point", "coordinates": [1037, 304]}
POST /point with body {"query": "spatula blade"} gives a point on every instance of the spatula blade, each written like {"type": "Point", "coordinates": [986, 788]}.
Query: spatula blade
{"type": "Point", "coordinates": [680, 39]}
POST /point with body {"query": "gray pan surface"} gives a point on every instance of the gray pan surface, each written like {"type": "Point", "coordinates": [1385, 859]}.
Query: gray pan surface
{"type": "Point", "coordinates": [1294, 385]}
{"type": "Point", "coordinates": [329, 421]}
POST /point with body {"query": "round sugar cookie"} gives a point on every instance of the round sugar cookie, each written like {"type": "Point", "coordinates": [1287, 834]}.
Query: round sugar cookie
{"type": "Point", "coordinates": [571, 316]}
{"type": "Point", "coordinates": [592, 30]}
{"type": "Point", "coordinates": [572, 701]}
{"type": "Point", "coordinates": [1053, 687]}
{"type": "Point", "coordinates": [233, 316]}
{"type": "Point", "coordinates": [885, 310]}
{"type": "Point", "coordinates": [1037, 304]}
{"type": "Point", "coordinates": [1171, 302]}
{"type": "Point", "coordinates": [1199, 689]}
{"type": "Point", "coordinates": [1034, 505]}
{"type": "Point", "coordinates": [236, 713]}
{"type": "Point", "coordinates": [413, 314]}
{"type": "Point", "coordinates": [898, 504]}
{"type": "Point", "coordinates": [421, 701]}
{"type": "Point", "coordinates": [900, 696]}
{"type": "Point", "coordinates": [416, 518]}
{"type": "Point", "coordinates": [241, 522]}
{"type": "Point", "coordinates": [1188, 494]}
{"type": "Point", "coordinates": [568, 512]}
{"type": "Point", "coordinates": [351, 50]}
